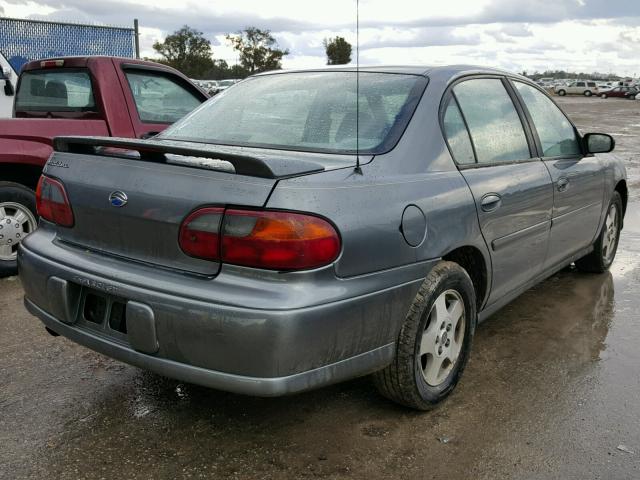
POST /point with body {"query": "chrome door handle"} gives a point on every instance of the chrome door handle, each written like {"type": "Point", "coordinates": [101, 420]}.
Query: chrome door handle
{"type": "Point", "coordinates": [563, 184]}
{"type": "Point", "coordinates": [490, 202]}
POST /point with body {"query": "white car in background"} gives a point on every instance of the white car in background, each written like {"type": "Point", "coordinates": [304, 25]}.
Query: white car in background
{"type": "Point", "coordinates": [224, 84]}
{"type": "Point", "coordinates": [8, 80]}
{"type": "Point", "coordinates": [579, 87]}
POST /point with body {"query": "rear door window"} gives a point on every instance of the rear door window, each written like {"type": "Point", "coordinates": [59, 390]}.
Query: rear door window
{"type": "Point", "coordinates": [494, 124]}
{"type": "Point", "coordinates": [62, 90]}
{"type": "Point", "coordinates": [160, 98]}
{"type": "Point", "coordinates": [557, 135]}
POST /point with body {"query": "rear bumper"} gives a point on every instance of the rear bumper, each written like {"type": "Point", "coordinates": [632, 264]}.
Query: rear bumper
{"type": "Point", "coordinates": [313, 329]}
{"type": "Point", "coordinates": [263, 387]}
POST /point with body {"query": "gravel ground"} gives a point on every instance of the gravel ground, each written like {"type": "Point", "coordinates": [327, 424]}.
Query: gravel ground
{"type": "Point", "coordinates": [551, 391]}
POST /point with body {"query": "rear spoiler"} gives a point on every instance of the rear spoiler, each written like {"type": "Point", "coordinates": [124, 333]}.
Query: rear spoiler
{"type": "Point", "coordinates": [254, 165]}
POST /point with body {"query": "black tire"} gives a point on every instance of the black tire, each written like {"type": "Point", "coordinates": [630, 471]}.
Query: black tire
{"type": "Point", "coordinates": [403, 381]}
{"type": "Point", "coordinates": [562, 93]}
{"type": "Point", "coordinates": [588, 93]}
{"type": "Point", "coordinates": [599, 261]}
{"type": "Point", "coordinates": [15, 193]}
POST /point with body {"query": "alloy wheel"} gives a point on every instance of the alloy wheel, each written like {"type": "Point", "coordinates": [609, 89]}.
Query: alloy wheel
{"type": "Point", "coordinates": [16, 222]}
{"type": "Point", "coordinates": [610, 238]}
{"type": "Point", "coordinates": [442, 339]}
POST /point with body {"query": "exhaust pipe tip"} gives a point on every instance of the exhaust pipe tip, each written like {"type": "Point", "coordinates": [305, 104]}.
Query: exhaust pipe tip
{"type": "Point", "coordinates": [51, 332]}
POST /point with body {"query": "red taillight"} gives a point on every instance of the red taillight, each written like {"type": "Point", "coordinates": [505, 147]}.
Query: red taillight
{"type": "Point", "coordinates": [52, 202]}
{"type": "Point", "coordinates": [200, 233]}
{"type": "Point", "coordinates": [51, 63]}
{"type": "Point", "coordinates": [260, 239]}
{"type": "Point", "coordinates": [278, 240]}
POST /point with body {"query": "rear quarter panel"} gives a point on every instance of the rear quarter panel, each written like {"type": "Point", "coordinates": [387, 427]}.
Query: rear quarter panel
{"type": "Point", "coordinates": [367, 210]}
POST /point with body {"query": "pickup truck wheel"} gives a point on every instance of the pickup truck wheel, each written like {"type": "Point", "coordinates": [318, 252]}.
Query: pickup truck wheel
{"type": "Point", "coordinates": [562, 93]}
{"type": "Point", "coordinates": [604, 250]}
{"type": "Point", "coordinates": [588, 93]}
{"type": "Point", "coordinates": [434, 342]}
{"type": "Point", "coordinates": [18, 218]}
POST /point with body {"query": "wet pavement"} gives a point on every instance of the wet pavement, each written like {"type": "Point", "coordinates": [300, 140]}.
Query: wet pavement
{"type": "Point", "coordinates": [551, 391]}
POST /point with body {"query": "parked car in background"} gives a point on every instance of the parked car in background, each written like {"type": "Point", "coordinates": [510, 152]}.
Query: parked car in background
{"type": "Point", "coordinates": [224, 84]}
{"type": "Point", "coordinates": [8, 80]}
{"type": "Point", "coordinates": [286, 237]}
{"type": "Point", "coordinates": [211, 87]}
{"type": "Point", "coordinates": [78, 96]}
{"type": "Point", "coordinates": [620, 92]}
{"type": "Point", "coordinates": [580, 87]}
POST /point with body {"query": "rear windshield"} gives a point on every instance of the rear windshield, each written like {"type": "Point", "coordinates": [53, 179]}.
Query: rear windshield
{"type": "Point", "coordinates": [55, 91]}
{"type": "Point", "coordinates": [309, 111]}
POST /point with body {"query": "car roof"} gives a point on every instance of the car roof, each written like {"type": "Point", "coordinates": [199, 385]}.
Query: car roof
{"type": "Point", "coordinates": [82, 61]}
{"type": "Point", "coordinates": [442, 71]}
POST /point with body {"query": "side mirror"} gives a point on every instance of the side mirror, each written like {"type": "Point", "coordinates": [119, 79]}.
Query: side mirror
{"type": "Point", "coordinates": [599, 143]}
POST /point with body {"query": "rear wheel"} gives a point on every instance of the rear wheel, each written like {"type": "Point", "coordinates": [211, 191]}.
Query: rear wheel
{"type": "Point", "coordinates": [434, 341]}
{"type": "Point", "coordinates": [562, 93]}
{"type": "Point", "coordinates": [18, 218]}
{"type": "Point", "coordinates": [588, 93]}
{"type": "Point", "coordinates": [604, 250]}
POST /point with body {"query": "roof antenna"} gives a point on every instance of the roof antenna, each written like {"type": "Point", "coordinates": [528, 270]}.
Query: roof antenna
{"type": "Point", "coordinates": [358, 169]}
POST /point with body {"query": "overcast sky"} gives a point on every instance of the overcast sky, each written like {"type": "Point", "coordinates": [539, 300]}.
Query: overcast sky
{"type": "Point", "coordinates": [585, 35]}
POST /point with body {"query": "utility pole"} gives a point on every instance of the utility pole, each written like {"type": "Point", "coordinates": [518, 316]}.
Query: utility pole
{"type": "Point", "coordinates": [136, 38]}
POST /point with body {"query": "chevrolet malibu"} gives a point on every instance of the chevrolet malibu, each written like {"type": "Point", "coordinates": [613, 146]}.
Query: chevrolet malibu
{"type": "Point", "coordinates": [308, 227]}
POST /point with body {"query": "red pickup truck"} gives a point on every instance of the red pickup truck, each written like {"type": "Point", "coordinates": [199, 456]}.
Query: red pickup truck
{"type": "Point", "coordinates": [97, 96]}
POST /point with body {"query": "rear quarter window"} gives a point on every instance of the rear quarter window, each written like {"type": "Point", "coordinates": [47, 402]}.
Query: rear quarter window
{"type": "Point", "coordinates": [457, 135]}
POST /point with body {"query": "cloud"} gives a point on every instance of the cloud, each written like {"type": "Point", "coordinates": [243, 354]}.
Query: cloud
{"type": "Point", "coordinates": [514, 34]}
{"type": "Point", "coordinates": [168, 17]}
{"type": "Point", "coordinates": [220, 18]}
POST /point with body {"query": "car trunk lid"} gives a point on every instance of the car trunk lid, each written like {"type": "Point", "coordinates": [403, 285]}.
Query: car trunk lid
{"type": "Point", "coordinates": [129, 197]}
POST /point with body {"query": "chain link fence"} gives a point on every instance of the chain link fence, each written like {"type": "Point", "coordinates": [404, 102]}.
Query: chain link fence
{"type": "Point", "coordinates": [24, 40]}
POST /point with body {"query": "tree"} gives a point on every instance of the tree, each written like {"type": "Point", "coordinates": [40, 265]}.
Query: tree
{"type": "Point", "coordinates": [187, 51]}
{"type": "Point", "coordinates": [221, 70]}
{"type": "Point", "coordinates": [258, 50]}
{"type": "Point", "coordinates": [338, 51]}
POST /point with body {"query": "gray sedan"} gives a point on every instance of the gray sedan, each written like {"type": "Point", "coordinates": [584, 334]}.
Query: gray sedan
{"type": "Point", "coordinates": [309, 227]}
